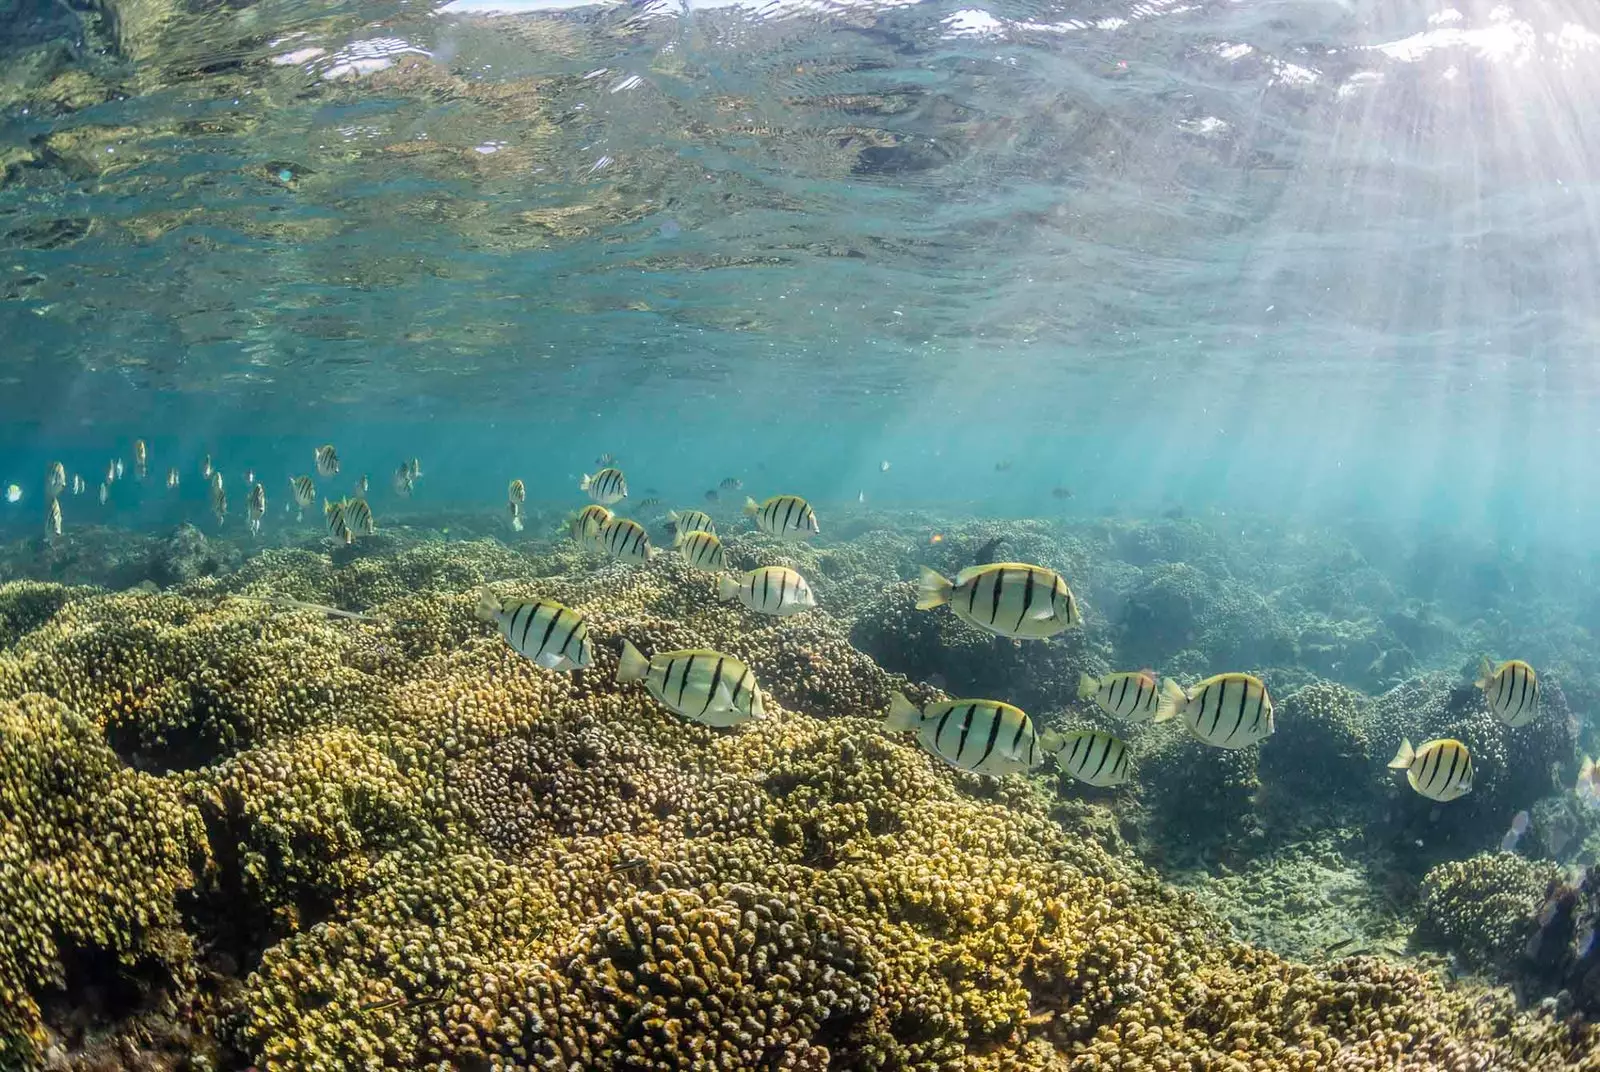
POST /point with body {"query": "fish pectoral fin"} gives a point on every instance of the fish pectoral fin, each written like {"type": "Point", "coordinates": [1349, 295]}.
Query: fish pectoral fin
{"type": "Point", "coordinates": [1043, 614]}
{"type": "Point", "coordinates": [723, 699]}
{"type": "Point", "coordinates": [550, 660]}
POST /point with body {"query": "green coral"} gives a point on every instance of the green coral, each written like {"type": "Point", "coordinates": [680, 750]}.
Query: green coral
{"type": "Point", "coordinates": [1485, 909]}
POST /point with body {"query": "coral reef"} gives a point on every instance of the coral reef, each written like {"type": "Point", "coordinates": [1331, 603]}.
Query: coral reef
{"type": "Point", "coordinates": [1483, 909]}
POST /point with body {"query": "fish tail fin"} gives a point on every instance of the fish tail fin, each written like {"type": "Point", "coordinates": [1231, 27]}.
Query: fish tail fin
{"type": "Point", "coordinates": [1485, 673]}
{"type": "Point", "coordinates": [751, 507]}
{"type": "Point", "coordinates": [1087, 686]}
{"type": "Point", "coordinates": [903, 714]}
{"type": "Point", "coordinates": [672, 517]}
{"type": "Point", "coordinates": [651, 552]}
{"type": "Point", "coordinates": [583, 485]}
{"type": "Point", "coordinates": [1172, 697]}
{"type": "Point", "coordinates": [633, 665]}
{"type": "Point", "coordinates": [1405, 756]}
{"type": "Point", "coordinates": [678, 538]}
{"type": "Point", "coordinates": [933, 589]}
{"type": "Point", "coordinates": [727, 587]}
{"type": "Point", "coordinates": [489, 605]}
{"type": "Point", "coordinates": [1051, 741]}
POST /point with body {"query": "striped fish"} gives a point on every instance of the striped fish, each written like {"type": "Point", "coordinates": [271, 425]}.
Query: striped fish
{"type": "Point", "coordinates": [1512, 690]}
{"type": "Point", "coordinates": [1091, 756]}
{"type": "Point", "coordinates": [1440, 770]}
{"type": "Point", "coordinates": [305, 492]}
{"type": "Point", "coordinates": [338, 527]}
{"type": "Point", "coordinates": [55, 479]}
{"type": "Point", "coordinates": [703, 686]}
{"type": "Point", "coordinates": [327, 460]}
{"type": "Point", "coordinates": [605, 487]}
{"type": "Point", "coordinates": [788, 517]}
{"type": "Point", "coordinates": [257, 504]}
{"type": "Point", "coordinates": [1133, 696]}
{"type": "Point", "coordinates": [554, 636]}
{"type": "Point", "coordinates": [141, 459]}
{"type": "Point", "coordinates": [1226, 711]}
{"type": "Point", "coordinates": [701, 550]}
{"type": "Point", "coordinates": [586, 526]}
{"type": "Point", "coordinates": [1012, 599]}
{"type": "Point", "coordinates": [691, 521]}
{"type": "Point", "coordinates": [358, 515]}
{"type": "Point", "coordinates": [982, 736]}
{"type": "Point", "coordinates": [517, 491]}
{"type": "Point", "coordinates": [626, 540]}
{"type": "Point", "coordinates": [775, 590]}
{"type": "Point", "coordinates": [516, 516]}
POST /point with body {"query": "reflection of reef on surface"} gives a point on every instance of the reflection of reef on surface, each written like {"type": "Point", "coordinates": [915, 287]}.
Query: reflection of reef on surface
{"type": "Point", "coordinates": [271, 836]}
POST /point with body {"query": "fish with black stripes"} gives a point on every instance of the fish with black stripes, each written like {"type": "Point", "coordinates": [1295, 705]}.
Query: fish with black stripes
{"type": "Point", "coordinates": [775, 590]}
{"type": "Point", "coordinates": [218, 497]}
{"type": "Point", "coordinates": [788, 517]}
{"type": "Point", "coordinates": [625, 540]}
{"type": "Point", "coordinates": [554, 636]}
{"type": "Point", "coordinates": [1092, 756]}
{"type": "Point", "coordinates": [257, 507]}
{"type": "Point", "coordinates": [1440, 770]}
{"type": "Point", "coordinates": [1225, 711]}
{"type": "Point", "coordinates": [327, 460]}
{"type": "Point", "coordinates": [606, 487]}
{"type": "Point", "coordinates": [358, 514]}
{"type": "Point", "coordinates": [141, 459]}
{"type": "Point", "coordinates": [338, 525]}
{"type": "Point", "coordinates": [1013, 599]}
{"type": "Point", "coordinates": [1133, 695]}
{"type": "Point", "coordinates": [982, 736]}
{"type": "Point", "coordinates": [1511, 690]}
{"type": "Point", "coordinates": [707, 687]}
{"type": "Point", "coordinates": [517, 491]}
{"type": "Point", "coordinates": [691, 521]}
{"type": "Point", "coordinates": [305, 493]}
{"type": "Point", "coordinates": [701, 551]}
{"type": "Point", "coordinates": [586, 524]}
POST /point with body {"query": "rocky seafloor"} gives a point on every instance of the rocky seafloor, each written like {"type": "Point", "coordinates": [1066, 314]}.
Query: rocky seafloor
{"type": "Point", "coordinates": [235, 832]}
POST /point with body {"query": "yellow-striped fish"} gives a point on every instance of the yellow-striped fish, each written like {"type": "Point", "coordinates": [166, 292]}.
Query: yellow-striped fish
{"type": "Point", "coordinates": [1012, 599]}
{"type": "Point", "coordinates": [1440, 770]}
{"type": "Point", "coordinates": [141, 459]}
{"type": "Point", "coordinates": [111, 472]}
{"type": "Point", "coordinates": [1226, 711]}
{"type": "Point", "coordinates": [358, 515]}
{"type": "Point", "coordinates": [587, 524]}
{"type": "Point", "coordinates": [691, 521]}
{"type": "Point", "coordinates": [105, 492]}
{"type": "Point", "coordinates": [1134, 695]}
{"type": "Point", "coordinates": [1092, 756]}
{"type": "Point", "coordinates": [55, 479]}
{"type": "Point", "coordinates": [205, 467]}
{"type": "Point", "coordinates": [982, 736]}
{"type": "Point", "coordinates": [701, 550]}
{"type": "Point", "coordinates": [605, 487]}
{"type": "Point", "coordinates": [1512, 691]}
{"type": "Point", "coordinates": [338, 527]}
{"type": "Point", "coordinates": [788, 517]}
{"type": "Point", "coordinates": [219, 497]}
{"type": "Point", "coordinates": [626, 540]}
{"type": "Point", "coordinates": [327, 460]}
{"type": "Point", "coordinates": [516, 516]}
{"type": "Point", "coordinates": [517, 491]}
{"type": "Point", "coordinates": [52, 518]}
{"type": "Point", "coordinates": [703, 686]}
{"type": "Point", "coordinates": [775, 590]}
{"type": "Point", "coordinates": [78, 486]}
{"type": "Point", "coordinates": [172, 477]}
{"type": "Point", "coordinates": [554, 636]}
{"type": "Point", "coordinates": [258, 507]}
{"type": "Point", "coordinates": [402, 482]}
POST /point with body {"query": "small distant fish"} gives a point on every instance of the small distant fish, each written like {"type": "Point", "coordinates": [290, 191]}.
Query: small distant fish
{"type": "Point", "coordinates": [691, 521]}
{"type": "Point", "coordinates": [731, 483]}
{"type": "Point", "coordinates": [703, 686]}
{"type": "Point", "coordinates": [936, 538]}
{"type": "Point", "coordinates": [105, 492]}
{"type": "Point", "coordinates": [701, 550]}
{"type": "Point", "coordinates": [52, 518]}
{"type": "Point", "coordinates": [1511, 689]}
{"type": "Point", "coordinates": [13, 493]}
{"type": "Point", "coordinates": [1002, 467]}
{"type": "Point", "coordinates": [650, 503]}
{"type": "Point", "coordinates": [987, 551]}
{"type": "Point", "coordinates": [141, 459]}
{"type": "Point", "coordinates": [982, 736]}
{"type": "Point", "coordinates": [219, 498]}
{"type": "Point", "coordinates": [788, 517]}
{"type": "Point", "coordinates": [111, 472]}
{"type": "Point", "coordinates": [338, 527]}
{"type": "Point", "coordinates": [55, 479]}
{"type": "Point", "coordinates": [172, 477]}
{"type": "Point", "coordinates": [1224, 711]}
{"type": "Point", "coordinates": [711, 495]}
{"type": "Point", "coordinates": [1440, 770]}
{"type": "Point", "coordinates": [883, 467]}
{"type": "Point", "coordinates": [1061, 493]}
{"type": "Point", "coordinates": [358, 515]}
{"type": "Point", "coordinates": [414, 469]}
{"type": "Point", "coordinates": [626, 540]}
{"type": "Point", "coordinates": [606, 459]}
{"type": "Point", "coordinates": [516, 516]}
{"type": "Point", "coordinates": [304, 492]}
{"type": "Point", "coordinates": [516, 492]}
{"type": "Point", "coordinates": [257, 507]}
{"type": "Point", "coordinates": [861, 496]}
{"type": "Point", "coordinates": [775, 590]}
{"type": "Point", "coordinates": [249, 476]}
{"type": "Point", "coordinates": [1012, 599]}
{"type": "Point", "coordinates": [605, 487]}
{"type": "Point", "coordinates": [1587, 786]}
{"type": "Point", "coordinates": [327, 460]}
{"type": "Point", "coordinates": [587, 525]}
{"type": "Point", "coordinates": [1133, 696]}
{"type": "Point", "coordinates": [554, 636]}
{"type": "Point", "coordinates": [1519, 826]}
{"type": "Point", "coordinates": [78, 485]}
{"type": "Point", "coordinates": [117, 468]}
{"type": "Point", "coordinates": [402, 481]}
{"type": "Point", "coordinates": [362, 486]}
{"type": "Point", "coordinates": [1091, 756]}
{"type": "Point", "coordinates": [205, 467]}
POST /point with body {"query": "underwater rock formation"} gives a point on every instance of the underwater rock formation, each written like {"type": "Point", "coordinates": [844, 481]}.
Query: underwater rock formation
{"type": "Point", "coordinates": [394, 842]}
